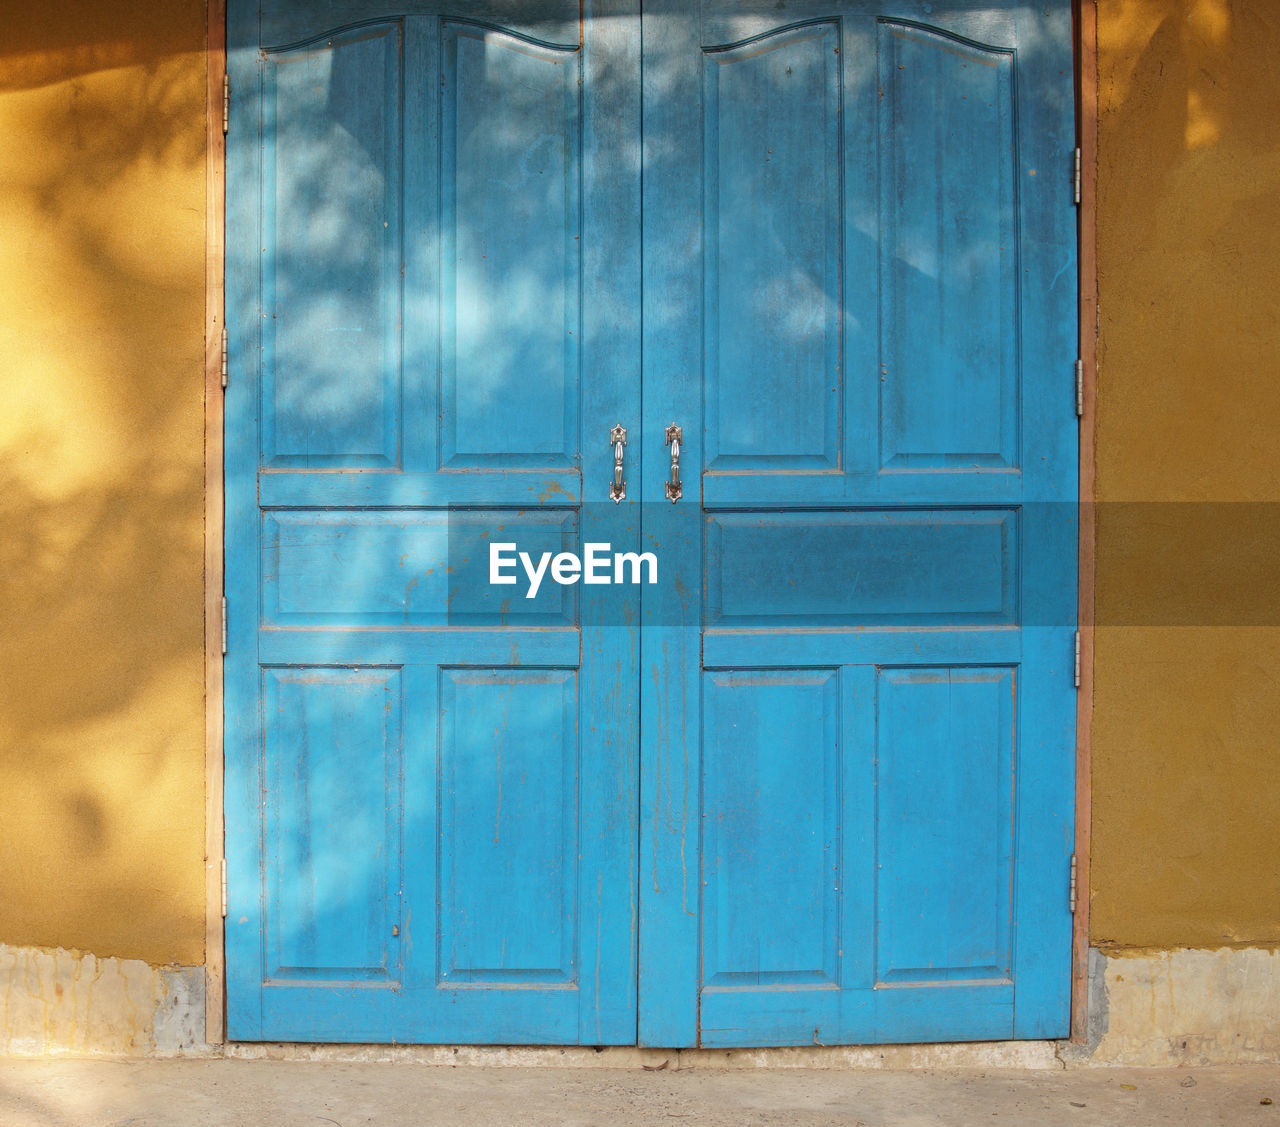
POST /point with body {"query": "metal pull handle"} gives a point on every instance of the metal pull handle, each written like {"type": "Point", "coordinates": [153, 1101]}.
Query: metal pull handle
{"type": "Point", "coordinates": [618, 487]}
{"type": "Point", "coordinates": [674, 489]}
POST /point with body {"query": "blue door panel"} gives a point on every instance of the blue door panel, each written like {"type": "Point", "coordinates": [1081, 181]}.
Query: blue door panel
{"type": "Point", "coordinates": [771, 829]}
{"type": "Point", "coordinates": [331, 189]}
{"type": "Point", "coordinates": [406, 567]}
{"type": "Point", "coordinates": [509, 768]}
{"type": "Point", "coordinates": [922, 567]}
{"type": "Point", "coordinates": [771, 304]}
{"type": "Point", "coordinates": [333, 823]}
{"type": "Point", "coordinates": [943, 824]}
{"type": "Point", "coordinates": [949, 381]}
{"type": "Point", "coordinates": [510, 253]}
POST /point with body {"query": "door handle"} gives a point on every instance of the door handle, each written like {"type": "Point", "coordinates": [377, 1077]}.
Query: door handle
{"type": "Point", "coordinates": [618, 487]}
{"type": "Point", "coordinates": [674, 489]}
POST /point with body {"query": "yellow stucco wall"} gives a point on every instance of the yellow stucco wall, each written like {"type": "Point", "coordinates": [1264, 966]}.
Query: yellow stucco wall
{"type": "Point", "coordinates": [101, 330]}
{"type": "Point", "coordinates": [1187, 717]}
{"type": "Point", "coordinates": [101, 476]}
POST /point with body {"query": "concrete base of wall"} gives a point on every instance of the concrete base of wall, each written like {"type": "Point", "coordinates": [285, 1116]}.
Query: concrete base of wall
{"type": "Point", "coordinates": [54, 1002]}
{"type": "Point", "coordinates": [1146, 1008]}
{"type": "Point", "coordinates": [1182, 1008]}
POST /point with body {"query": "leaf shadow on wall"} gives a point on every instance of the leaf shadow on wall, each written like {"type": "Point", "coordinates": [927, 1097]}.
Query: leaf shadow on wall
{"type": "Point", "coordinates": [101, 479]}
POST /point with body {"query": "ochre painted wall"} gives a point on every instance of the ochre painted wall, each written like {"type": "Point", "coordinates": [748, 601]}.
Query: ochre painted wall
{"type": "Point", "coordinates": [1186, 782]}
{"type": "Point", "coordinates": [101, 478]}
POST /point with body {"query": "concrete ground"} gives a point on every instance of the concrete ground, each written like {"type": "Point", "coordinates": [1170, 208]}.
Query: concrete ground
{"type": "Point", "coordinates": [284, 1093]}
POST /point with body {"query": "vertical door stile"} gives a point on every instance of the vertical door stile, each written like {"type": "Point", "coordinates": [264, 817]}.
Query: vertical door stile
{"type": "Point", "coordinates": [670, 838]}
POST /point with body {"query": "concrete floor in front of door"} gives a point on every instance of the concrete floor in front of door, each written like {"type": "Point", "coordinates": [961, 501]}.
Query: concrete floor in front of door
{"type": "Point", "coordinates": [282, 1093]}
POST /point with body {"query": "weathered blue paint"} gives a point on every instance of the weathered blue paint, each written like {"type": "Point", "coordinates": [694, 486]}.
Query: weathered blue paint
{"type": "Point", "coordinates": [857, 775]}
{"type": "Point", "coordinates": [431, 789]}
{"type": "Point", "coordinates": [816, 785]}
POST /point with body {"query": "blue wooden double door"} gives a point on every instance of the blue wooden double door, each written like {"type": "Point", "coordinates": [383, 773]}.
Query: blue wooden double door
{"type": "Point", "coordinates": [812, 781]}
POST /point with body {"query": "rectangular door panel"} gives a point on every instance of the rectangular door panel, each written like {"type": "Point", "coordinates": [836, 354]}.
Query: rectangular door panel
{"type": "Point", "coordinates": [510, 256]}
{"type": "Point", "coordinates": [332, 185]}
{"type": "Point", "coordinates": [771, 823]}
{"type": "Point", "coordinates": [944, 824]}
{"type": "Point", "coordinates": [332, 825]}
{"type": "Point", "coordinates": [772, 298]}
{"type": "Point", "coordinates": [408, 567]}
{"type": "Point", "coordinates": [508, 833]}
{"type": "Point", "coordinates": [949, 384]}
{"type": "Point", "coordinates": [938, 567]}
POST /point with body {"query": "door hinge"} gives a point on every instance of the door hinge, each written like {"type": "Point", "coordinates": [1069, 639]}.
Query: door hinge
{"type": "Point", "coordinates": [1071, 892]}
{"type": "Point", "coordinates": [226, 106]}
{"type": "Point", "coordinates": [1079, 378]}
{"type": "Point", "coordinates": [1075, 179]}
{"type": "Point", "coordinates": [224, 884]}
{"type": "Point", "coordinates": [224, 625]}
{"type": "Point", "coordinates": [1077, 663]}
{"type": "Point", "coordinates": [224, 359]}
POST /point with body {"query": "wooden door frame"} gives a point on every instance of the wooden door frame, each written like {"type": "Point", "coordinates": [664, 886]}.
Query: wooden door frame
{"type": "Point", "coordinates": [1086, 25]}
{"type": "Point", "coordinates": [214, 534]}
{"type": "Point", "coordinates": [1086, 53]}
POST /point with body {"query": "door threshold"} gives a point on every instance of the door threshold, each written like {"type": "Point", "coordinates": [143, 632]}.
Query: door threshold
{"type": "Point", "coordinates": [960, 1055]}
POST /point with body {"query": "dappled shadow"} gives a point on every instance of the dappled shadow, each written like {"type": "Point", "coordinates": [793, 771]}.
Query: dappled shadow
{"type": "Point", "coordinates": [21, 1106]}
{"type": "Point", "coordinates": [101, 478]}
{"type": "Point", "coordinates": [75, 39]}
